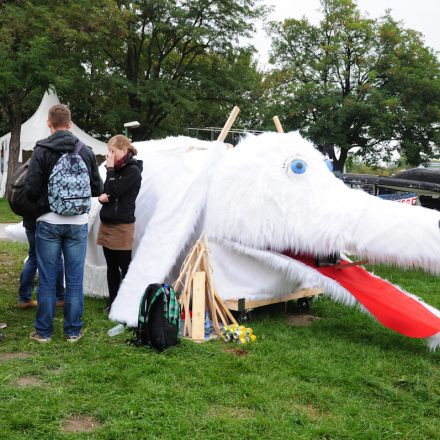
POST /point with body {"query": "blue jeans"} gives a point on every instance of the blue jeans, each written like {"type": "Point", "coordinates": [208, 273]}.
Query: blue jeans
{"type": "Point", "coordinates": [71, 240]}
{"type": "Point", "coordinates": [27, 276]}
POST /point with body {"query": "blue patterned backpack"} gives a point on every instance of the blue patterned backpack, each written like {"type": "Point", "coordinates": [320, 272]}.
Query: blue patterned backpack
{"type": "Point", "coordinates": [69, 189]}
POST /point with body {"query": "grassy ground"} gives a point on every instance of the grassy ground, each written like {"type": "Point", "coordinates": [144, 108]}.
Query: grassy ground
{"type": "Point", "coordinates": [6, 215]}
{"type": "Point", "coordinates": [344, 377]}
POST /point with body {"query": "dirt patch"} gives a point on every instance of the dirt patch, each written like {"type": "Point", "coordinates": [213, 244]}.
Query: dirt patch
{"type": "Point", "coordinates": [309, 410]}
{"type": "Point", "coordinates": [28, 381]}
{"type": "Point", "coordinates": [80, 424]}
{"type": "Point", "coordinates": [9, 356]}
{"type": "Point", "coordinates": [55, 371]}
{"type": "Point", "coordinates": [236, 351]}
{"type": "Point", "coordinates": [231, 412]}
{"type": "Point", "coordinates": [301, 320]}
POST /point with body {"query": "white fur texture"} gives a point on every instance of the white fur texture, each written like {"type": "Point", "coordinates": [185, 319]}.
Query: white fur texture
{"type": "Point", "coordinates": [255, 199]}
{"type": "Point", "coordinates": [173, 195]}
{"type": "Point", "coordinates": [253, 207]}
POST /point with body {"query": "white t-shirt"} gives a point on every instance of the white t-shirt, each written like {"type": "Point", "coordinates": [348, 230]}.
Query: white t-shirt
{"type": "Point", "coordinates": [57, 219]}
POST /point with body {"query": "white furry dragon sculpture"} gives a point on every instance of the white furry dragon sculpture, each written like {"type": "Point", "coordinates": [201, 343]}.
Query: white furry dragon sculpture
{"type": "Point", "coordinates": [269, 206]}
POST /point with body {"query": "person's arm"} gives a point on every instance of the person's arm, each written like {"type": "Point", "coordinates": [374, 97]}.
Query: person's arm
{"type": "Point", "coordinates": [96, 185]}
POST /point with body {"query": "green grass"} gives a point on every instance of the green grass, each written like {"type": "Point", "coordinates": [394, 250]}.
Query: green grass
{"type": "Point", "coordinates": [6, 215]}
{"type": "Point", "coordinates": [345, 377]}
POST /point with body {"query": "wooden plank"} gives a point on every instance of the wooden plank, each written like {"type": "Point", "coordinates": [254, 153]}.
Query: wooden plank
{"type": "Point", "coordinates": [219, 312]}
{"type": "Point", "coordinates": [187, 328]}
{"type": "Point", "coordinates": [228, 124]}
{"type": "Point", "coordinates": [198, 306]}
{"type": "Point", "coordinates": [196, 266]}
{"type": "Point", "coordinates": [215, 310]}
{"type": "Point", "coordinates": [278, 126]}
{"type": "Point", "coordinates": [185, 301]}
{"type": "Point", "coordinates": [232, 304]}
{"type": "Point", "coordinates": [209, 296]}
{"type": "Point", "coordinates": [187, 263]}
{"type": "Point", "coordinates": [222, 306]}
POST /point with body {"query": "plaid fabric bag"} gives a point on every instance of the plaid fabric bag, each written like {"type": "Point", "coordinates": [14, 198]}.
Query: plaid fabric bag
{"type": "Point", "coordinates": [159, 317]}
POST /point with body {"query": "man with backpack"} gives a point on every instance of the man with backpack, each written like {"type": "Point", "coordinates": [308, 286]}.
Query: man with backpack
{"type": "Point", "coordinates": [62, 176]}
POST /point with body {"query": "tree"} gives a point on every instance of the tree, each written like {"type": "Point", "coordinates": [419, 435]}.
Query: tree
{"type": "Point", "coordinates": [152, 61]}
{"type": "Point", "coordinates": [40, 46]}
{"type": "Point", "coordinates": [169, 64]}
{"type": "Point", "coordinates": [220, 82]}
{"type": "Point", "coordinates": [353, 83]}
{"type": "Point", "coordinates": [22, 47]}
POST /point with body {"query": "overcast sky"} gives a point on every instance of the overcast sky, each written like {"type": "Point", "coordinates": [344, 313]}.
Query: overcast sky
{"type": "Point", "coordinates": [421, 15]}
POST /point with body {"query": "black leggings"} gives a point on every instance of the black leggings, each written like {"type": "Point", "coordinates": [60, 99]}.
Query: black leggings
{"type": "Point", "coordinates": [117, 266]}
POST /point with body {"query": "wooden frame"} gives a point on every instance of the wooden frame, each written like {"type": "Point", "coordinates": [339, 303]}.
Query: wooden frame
{"type": "Point", "coordinates": [233, 304]}
{"type": "Point", "coordinates": [197, 289]}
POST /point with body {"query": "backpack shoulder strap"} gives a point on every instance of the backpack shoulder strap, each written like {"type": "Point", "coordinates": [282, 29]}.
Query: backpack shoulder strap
{"type": "Point", "coordinates": [78, 146]}
{"type": "Point", "coordinates": [146, 299]}
{"type": "Point", "coordinates": [142, 309]}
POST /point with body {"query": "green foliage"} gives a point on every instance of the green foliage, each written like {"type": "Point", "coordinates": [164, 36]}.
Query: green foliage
{"type": "Point", "coordinates": [351, 81]}
{"type": "Point", "coordinates": [168, 65]}
{"type": "Point", "coordinates": [357, 166]}
{"type": "Point", "coordinates": [343, 377]}
{"type": "Point", "coordinates": [41, 44]}
{"type": "Point", "coordinates": [6, 215]}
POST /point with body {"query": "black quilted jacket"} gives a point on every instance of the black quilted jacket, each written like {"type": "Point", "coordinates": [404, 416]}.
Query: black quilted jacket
{"type": "Point", "coordinates": [122, 185]}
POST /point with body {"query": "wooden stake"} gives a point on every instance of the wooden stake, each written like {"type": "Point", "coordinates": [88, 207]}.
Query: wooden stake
{"type": "Point", "coordinates": [229, 123]}
{"type": "Point", "coordinates": [185, 302]}
{"type": "Point", "coordinates": [198, 306]}
{"type": "Point", "coordinates": [278, 125]}
{"type": "Point", "coordinates": [211, 290]}
{"type": "Point", "coordinates": [225, 309]}
{"type": "Point", "coordinates": [183, 270]}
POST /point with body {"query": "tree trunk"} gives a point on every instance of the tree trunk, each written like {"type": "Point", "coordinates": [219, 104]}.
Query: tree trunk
{"type": "Point", "coordinates": [338, 164]}
{"type": "Point", "coordinates": [15, 119]}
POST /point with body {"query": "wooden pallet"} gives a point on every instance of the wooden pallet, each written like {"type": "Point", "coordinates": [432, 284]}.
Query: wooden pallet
{"type": "Point", "coordinates": [242, 304]}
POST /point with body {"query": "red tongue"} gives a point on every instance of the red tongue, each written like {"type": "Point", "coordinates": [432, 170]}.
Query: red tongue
{"type": "Point", "coordinates": [388, 304]}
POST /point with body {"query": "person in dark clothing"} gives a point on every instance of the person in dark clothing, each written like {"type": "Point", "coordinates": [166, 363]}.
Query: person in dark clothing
{"type": "Point", "coordinates": [56, 233]}
{"type": "Point", "coordinates": [2, 326]}
{"type": "Point", "coordinates": [27, 276]}
{"type": "Point", "coordinates": [45, 156]}
{"type": "Point", "coordinates": [116, 231]}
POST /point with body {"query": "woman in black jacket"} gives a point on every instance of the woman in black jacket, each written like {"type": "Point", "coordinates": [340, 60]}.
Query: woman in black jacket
{"type": "Point", "coordinates": [118, 201]}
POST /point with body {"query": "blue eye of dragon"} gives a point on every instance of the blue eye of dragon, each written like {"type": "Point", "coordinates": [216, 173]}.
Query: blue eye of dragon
{"type": "Point", "coordinates": [329, 164]}
{"type": "Point", "coordinates": [298, 166]}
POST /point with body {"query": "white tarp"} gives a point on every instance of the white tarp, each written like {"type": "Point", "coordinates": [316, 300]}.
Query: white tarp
{"type": "Point", "coordinates": [36, 128]}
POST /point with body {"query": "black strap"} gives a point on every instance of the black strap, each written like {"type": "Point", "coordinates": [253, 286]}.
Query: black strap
{"type": "Point", "coordinates": [78, 146]}
{"type": "Point", "coordinates": [142, 309]}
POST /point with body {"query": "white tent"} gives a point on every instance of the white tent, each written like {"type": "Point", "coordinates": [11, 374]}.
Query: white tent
{"type": "Point", "coordinates": [35, 129]}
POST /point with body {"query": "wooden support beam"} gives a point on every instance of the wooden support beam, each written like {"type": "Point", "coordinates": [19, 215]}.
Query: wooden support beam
{"type": "Point", "coordinates": [229, 123]}
{"type": "Point", "coordinates": [198, 306]}
{"type": "Point", "coordinates": [278, 126]}
{"type": "Point", "coordinates": [232, 304]}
